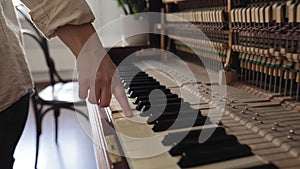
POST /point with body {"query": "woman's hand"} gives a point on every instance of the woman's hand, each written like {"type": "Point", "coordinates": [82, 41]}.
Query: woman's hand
{"type": "Point", "coordinates": [97, 75]}
{"type": "Point", "coordinates": [101, 84]}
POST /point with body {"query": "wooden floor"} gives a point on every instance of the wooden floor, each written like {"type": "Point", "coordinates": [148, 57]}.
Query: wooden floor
{"type": "Point", "coordinates": [73, 151]}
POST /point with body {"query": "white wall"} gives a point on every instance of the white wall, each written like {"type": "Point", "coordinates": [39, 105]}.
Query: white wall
{"type": "Point", "coordinates": [107, 22]}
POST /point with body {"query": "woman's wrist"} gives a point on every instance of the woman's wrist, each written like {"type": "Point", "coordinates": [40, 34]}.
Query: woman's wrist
{"type": "Point", "coordinates": [76, 36]}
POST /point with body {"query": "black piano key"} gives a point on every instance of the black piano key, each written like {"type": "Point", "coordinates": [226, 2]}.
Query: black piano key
{"type": "Point", "coordinates": [155, 101]}
{"type": "Point", "coordinates": [128, 78]}
{"type": "Point", "coordinates": [136, 78]}
{"type": "Point", "coordinates": [264, 166]}
{"type": "Point", "coordinates": [171, 107]}
{"type": "Point", "coordinates": [146, 98]}
{"type": "Point", "coordinates": [139, 82]}
{"type": "Point", "coordinates": [158, 100]}
{"type": "Point", "coordinates": [138, 93]}
{"type": "Point", "coordinates": [144, 84]}
{"type": "Point", "coordinates": [169, 115]}
{"type": "Point", "coordinates": [172, 138]}
{"type": "Point", "coordinates": [214, 137]}
{"type": "Point", "coordinates": [147, 87]}
{"type": "Point", "coordinates": [128, 81]}
{"type": "Point", "coordinates": [126, 68]}
{"type": "Point", "coordinates": [209, 143]}
{"type": "Point", "coordinates": [173, 116]}
{"type": "Point", "coordinates": [209, 146]}
{"type": "Point", "coordinates": [132, 75]}
{"type": "Point", "coordinates": [187, 117]}
{"type": "Point", "coordinates": [211, 156]}
{"type": "Point", "coordinates": [132, 72]}
{"type": "Point", "coordinates": [129, 71]}
{"type": "Point", "coordinates": [164, 125]}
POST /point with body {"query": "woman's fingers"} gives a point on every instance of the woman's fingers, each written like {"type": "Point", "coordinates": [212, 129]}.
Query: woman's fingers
{"type": "Point", "coordinates": [105, 96]}
{"type": "Point", "coordinates": [122, 99]}
{"type": "Point", "coordinates": [84, 86]}
{"type": "Point", "coordinates": [94, 93]}
{"type": "Point", "coordinates": [120, 95]}
{"type": "Point", "coordinates": [102, 84]}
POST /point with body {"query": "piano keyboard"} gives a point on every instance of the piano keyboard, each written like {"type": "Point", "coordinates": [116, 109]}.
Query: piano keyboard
{"type": "Point", "coordinates": [250, 132]}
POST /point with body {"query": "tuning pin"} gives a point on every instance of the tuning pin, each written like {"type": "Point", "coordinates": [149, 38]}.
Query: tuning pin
{"type": "Point", "coordinates": [274, 128]}
{"type": "Point", "coordinates": [261, 122]}
{"type": "Point", "coordinates": [257, 114]}
{"type": "Point", "coordinates": [289, 137]}
{"type": "Point", "coordinates": [276, 124]}
{"type": "Point", "coordinates": [292, 131]}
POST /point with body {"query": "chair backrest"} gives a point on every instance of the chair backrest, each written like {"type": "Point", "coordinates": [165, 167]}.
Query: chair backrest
{"type": "Point", "coordinates": [43, 43]}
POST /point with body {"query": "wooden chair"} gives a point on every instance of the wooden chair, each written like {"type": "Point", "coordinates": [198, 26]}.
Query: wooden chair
{"type": "Point", "coordinates": [60, 94]}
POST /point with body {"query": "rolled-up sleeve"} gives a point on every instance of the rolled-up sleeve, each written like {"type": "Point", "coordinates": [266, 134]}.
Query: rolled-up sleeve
{"type": "Point", "coordinates": [48, 15]}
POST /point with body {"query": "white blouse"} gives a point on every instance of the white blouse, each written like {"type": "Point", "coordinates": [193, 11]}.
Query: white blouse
{"type": "Point", "coordinates": [48, 15]}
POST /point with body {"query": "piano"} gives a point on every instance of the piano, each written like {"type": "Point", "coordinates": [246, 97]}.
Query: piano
{"type": "Point", "coordinates": [233, 106]}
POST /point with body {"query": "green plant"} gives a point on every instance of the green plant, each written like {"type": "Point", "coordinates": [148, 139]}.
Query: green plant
{"type": "Point", "coordinates": [133, 6]}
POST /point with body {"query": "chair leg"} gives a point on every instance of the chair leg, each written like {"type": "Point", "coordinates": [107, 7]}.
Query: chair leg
{"type": "Point", "coordinates": [37, 114]}
{"type": "Point", "coordinates": [37, 150]}
{"type": "Point", "coordinates": [56, 115]}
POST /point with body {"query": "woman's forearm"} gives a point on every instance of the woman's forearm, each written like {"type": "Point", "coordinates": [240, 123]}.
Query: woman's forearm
{"type": "Point", "coordinates": [75, 36]}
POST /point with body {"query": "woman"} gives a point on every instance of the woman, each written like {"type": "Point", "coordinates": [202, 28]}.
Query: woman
{"type": "Point", "coordinates": [71, 21]}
